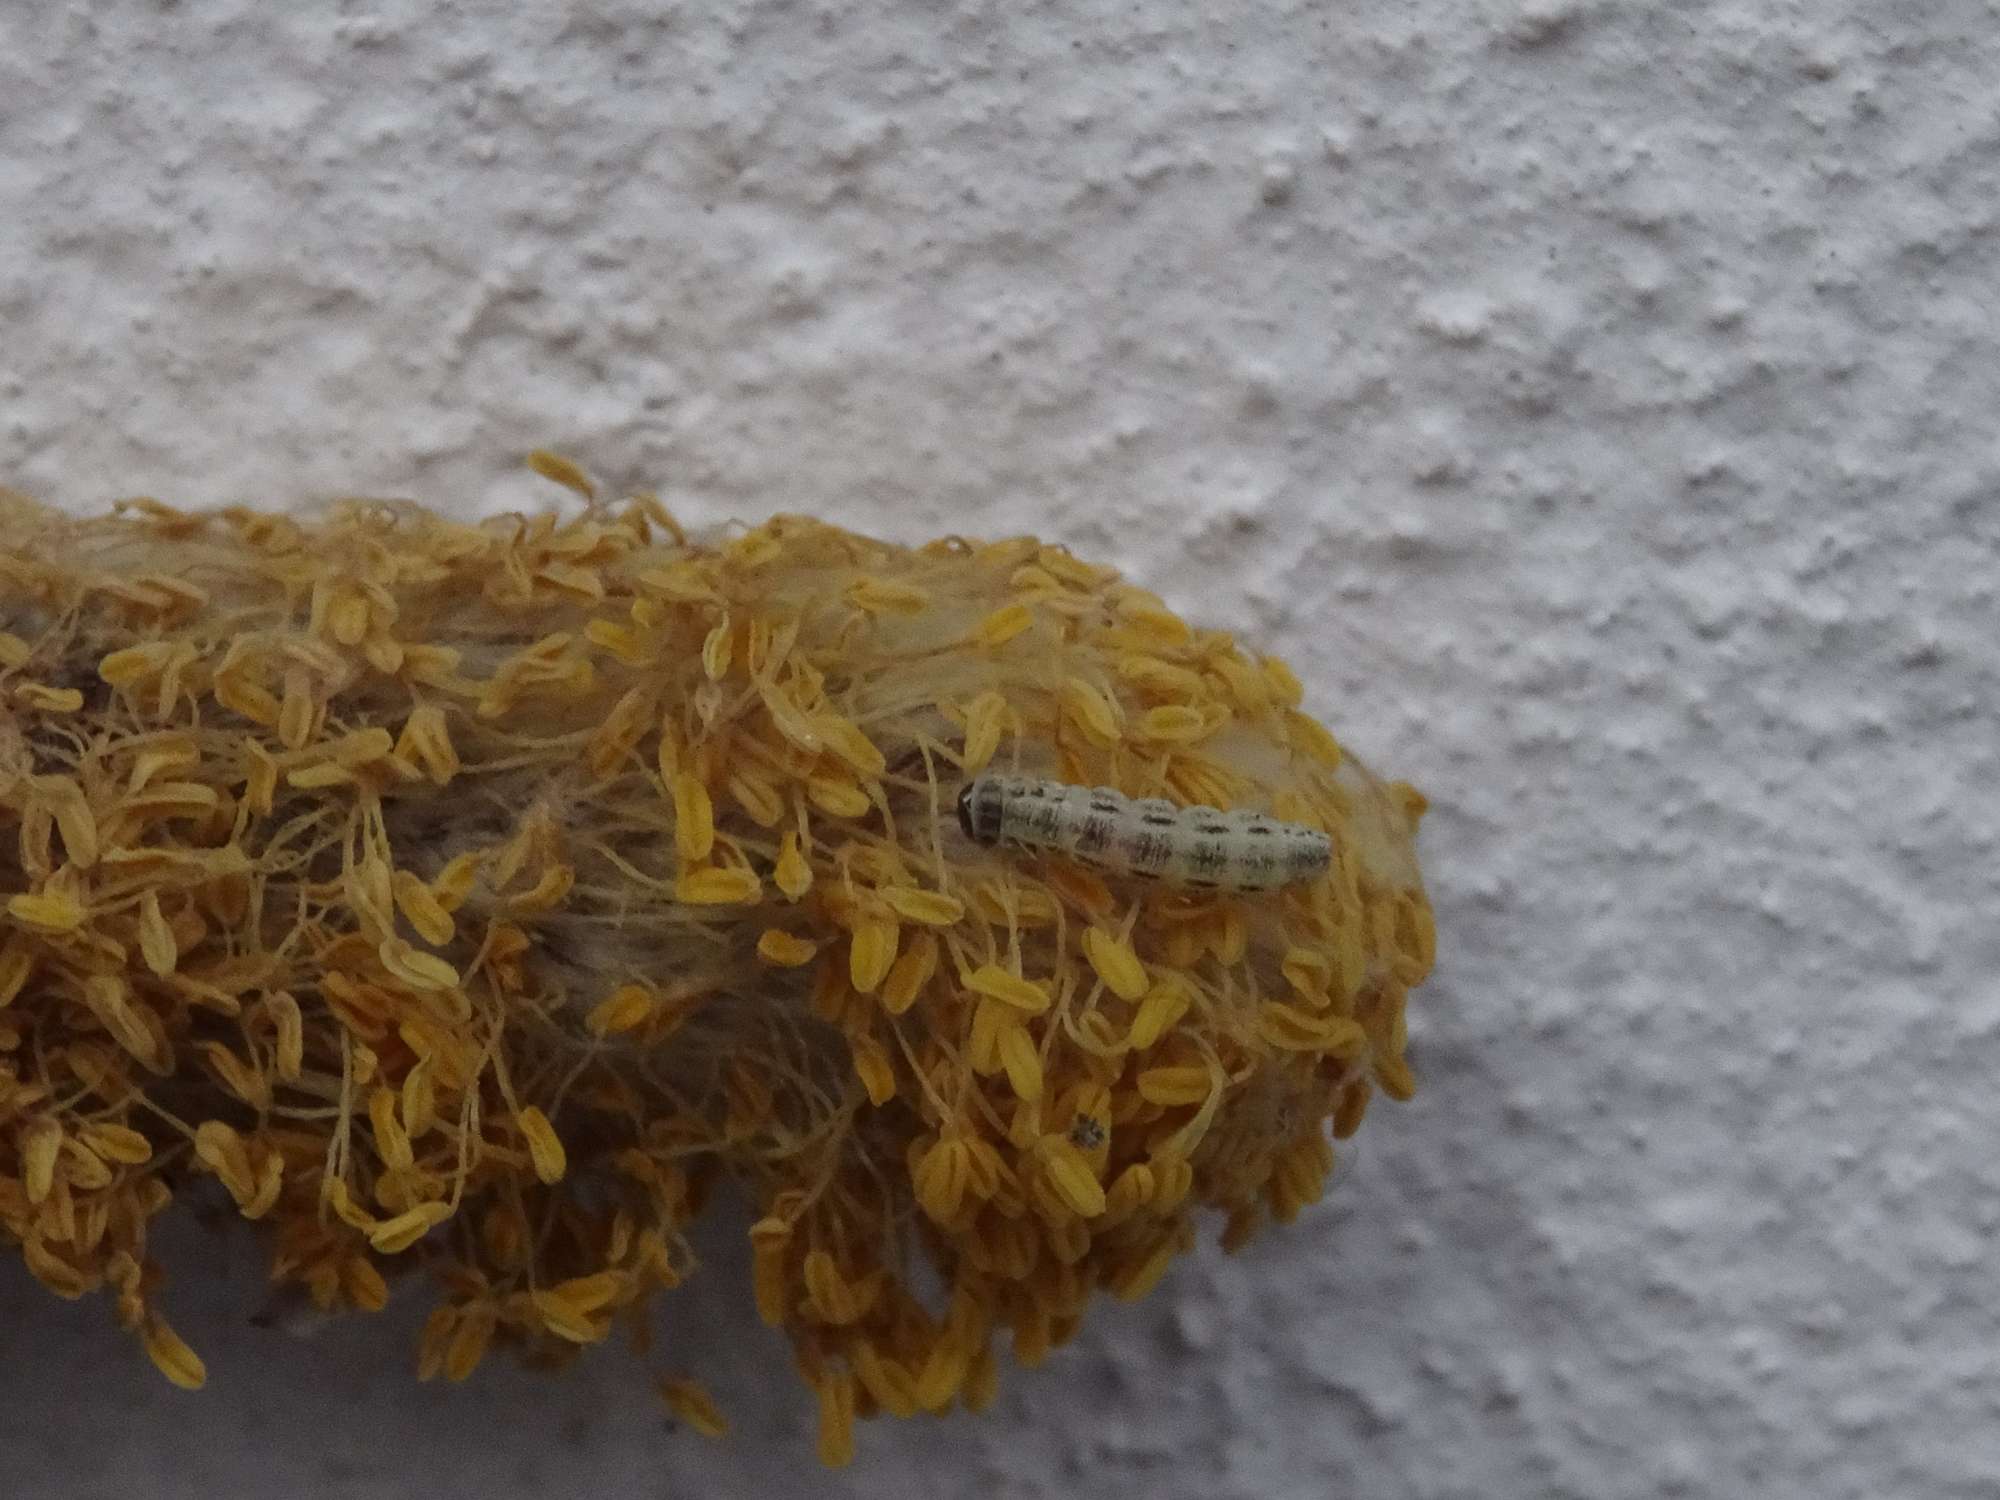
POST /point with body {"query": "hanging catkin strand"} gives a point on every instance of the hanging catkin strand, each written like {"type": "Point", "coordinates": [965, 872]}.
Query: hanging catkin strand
{"type": "Point", "coordinates": [474, 899]}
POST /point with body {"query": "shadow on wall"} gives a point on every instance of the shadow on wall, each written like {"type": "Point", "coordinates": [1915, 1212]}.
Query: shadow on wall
{"type": "Point", "coordinates": [82, 1407]}
{"type": "Point", "coordinates": [337, 1412]}
{"type": "Point", "coordinates": [1172, 1395]}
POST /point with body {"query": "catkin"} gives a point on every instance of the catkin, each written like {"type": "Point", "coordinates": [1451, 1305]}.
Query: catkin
{"type": "Point", "coordinates": [469, 900]}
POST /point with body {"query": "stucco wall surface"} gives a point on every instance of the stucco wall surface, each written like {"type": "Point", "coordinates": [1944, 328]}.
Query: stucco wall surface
{"type": "Point", "coordinates": [1597, 403]}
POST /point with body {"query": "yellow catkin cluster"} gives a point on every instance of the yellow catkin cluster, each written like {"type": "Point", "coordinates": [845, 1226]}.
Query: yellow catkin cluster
{"type": "Point", "coordinates": [480, 898]}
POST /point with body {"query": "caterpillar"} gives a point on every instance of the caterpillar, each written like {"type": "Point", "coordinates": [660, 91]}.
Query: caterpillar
{"type": "Point", "coordinates": [1150, 836]}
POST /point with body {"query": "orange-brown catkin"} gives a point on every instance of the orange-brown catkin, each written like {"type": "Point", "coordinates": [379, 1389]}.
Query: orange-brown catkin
{"type": "Point", "coordinates": [476, 897]}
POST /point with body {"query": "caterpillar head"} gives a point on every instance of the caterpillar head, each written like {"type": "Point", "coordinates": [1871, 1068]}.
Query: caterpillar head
{"type": "Point", "coordinates": [979, 810]}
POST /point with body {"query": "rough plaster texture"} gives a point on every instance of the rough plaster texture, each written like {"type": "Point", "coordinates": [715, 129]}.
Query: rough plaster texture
{"type": "Point", "coordinates": [1597, 402]}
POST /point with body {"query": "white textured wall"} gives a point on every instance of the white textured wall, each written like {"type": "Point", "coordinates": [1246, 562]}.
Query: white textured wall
{"type": "Point", "coordinates": [1597, 402]}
